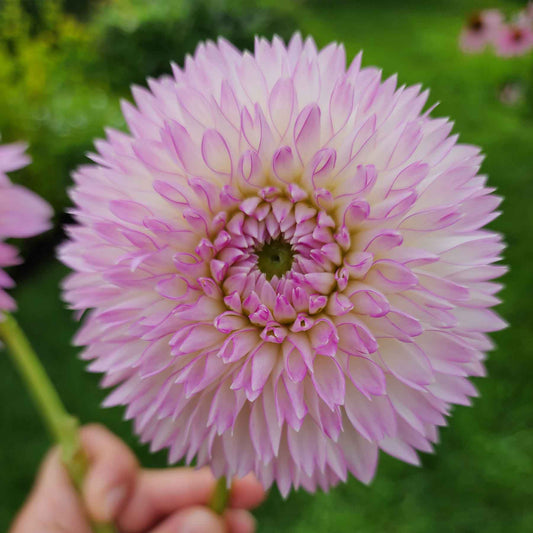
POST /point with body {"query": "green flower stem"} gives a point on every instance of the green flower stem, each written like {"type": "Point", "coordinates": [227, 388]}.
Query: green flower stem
{"type": "Point", "coordinates": [219, 500]}
{"type": "Point", "coordinates": [62, 426]}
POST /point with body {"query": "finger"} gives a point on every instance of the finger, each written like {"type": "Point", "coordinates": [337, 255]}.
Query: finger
{"type": "Point", "coordinates": [192, 520]}
{"type": "Point", "coordinates": [239, 521]}
{"type": "Point", "coordinates": [159, 493]}
{"type": "Point", "coordinates": [112, 473]}
{"type": "Point", "coordinates": [53, 505]}
{"type": "Point", "coordinates": [246, 492]}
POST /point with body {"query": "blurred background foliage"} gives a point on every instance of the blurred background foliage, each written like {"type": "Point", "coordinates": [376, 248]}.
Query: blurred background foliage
{"type": "Point", "coordinates": [64, 65]}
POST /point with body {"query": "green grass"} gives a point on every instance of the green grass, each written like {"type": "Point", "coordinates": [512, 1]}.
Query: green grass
{"type": "Point", "coordinates": [481, 478]}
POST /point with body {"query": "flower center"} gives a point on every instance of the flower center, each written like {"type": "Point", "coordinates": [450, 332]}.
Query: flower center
{"type": "Point", "coordinates": [279, 263]}
{"type": "Point", "coordinates": [275, 258]}
{"type": "Point", "coordinates": [517, 35]}
{"type": "Point", "coordinates": [475, 22]}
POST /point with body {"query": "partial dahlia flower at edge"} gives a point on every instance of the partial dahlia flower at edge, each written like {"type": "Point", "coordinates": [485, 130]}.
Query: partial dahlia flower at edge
{"type": "Point", "coordinates": [22, 214]}
{"type": "Point", "coordinates": [284, 264]}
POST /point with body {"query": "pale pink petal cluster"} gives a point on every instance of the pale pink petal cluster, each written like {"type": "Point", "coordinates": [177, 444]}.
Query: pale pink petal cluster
{"type": "Point", "coordinates": [22, 214]}
{"type": "Point", "coordinates": [373, 308]}
{"type": "Point", "coordinates": [481, 29]}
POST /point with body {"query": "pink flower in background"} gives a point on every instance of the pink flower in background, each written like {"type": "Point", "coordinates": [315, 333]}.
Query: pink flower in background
{"type": "Point", "coordinates": [22, 214]}
{"type": "Point", "coordinates": [285, 265]}
{"type": "Point", "coordinates": [480, 30]}
{"type": "Point", "coordinates": [514, 39]}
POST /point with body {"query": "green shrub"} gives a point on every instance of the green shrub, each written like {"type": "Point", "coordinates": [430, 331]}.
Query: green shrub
{"type": "Point", "coordinates": [47, 98]}
{"type": "Point", "coordinates": [135, 52]}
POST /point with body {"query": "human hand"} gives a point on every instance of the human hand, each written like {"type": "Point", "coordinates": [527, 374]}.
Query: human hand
{"type": "Point", "coordinates": [136, 500]}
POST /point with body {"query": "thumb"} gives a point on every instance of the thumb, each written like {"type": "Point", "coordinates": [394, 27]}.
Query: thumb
{"type": "Point", "coordinates": [112, 473]}
{"type": "Point", "coordinates": [53, 505]}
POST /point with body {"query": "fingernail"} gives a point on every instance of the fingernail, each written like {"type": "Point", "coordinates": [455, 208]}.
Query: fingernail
{"type": "Point", "coordinates": [113, 500]}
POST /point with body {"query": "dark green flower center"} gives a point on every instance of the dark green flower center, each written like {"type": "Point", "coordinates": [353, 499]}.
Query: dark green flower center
{"type": "Point", "coordinates": [476, 22]}
{"type": "Point", "coordinates": [275, 258]}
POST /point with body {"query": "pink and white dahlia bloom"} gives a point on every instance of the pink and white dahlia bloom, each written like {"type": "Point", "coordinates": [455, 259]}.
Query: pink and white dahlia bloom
{"type": "Point", "coordinates": [284, 264]}
{"type": "Point", "coordinates": [481, 29]}
{"type": "Point", "coordinates": [22, 214]}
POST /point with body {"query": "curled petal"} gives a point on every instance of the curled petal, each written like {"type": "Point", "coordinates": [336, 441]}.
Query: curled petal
{"type": "Point", "coordinates": [307, 132]}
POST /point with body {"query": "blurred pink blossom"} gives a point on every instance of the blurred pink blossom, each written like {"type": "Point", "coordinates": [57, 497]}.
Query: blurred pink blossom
{"type": "Point", "coordinates": [480, 30]}
{"type": "Point", "coordinates": [514, 39]}
{"type": "Point", "coordinates": [528, 12]}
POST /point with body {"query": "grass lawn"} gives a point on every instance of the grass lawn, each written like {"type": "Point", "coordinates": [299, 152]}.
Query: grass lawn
{"type": "Point", "coordinates": [481, 478]}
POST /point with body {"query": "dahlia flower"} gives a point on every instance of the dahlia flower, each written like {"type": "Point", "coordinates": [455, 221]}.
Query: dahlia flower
{"type": "Point", "coordinates": [480, 30]}
{"type": "Point", "coordinates": [284, 264]}
{"type": "Point", "coordinates": [22, 214]}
